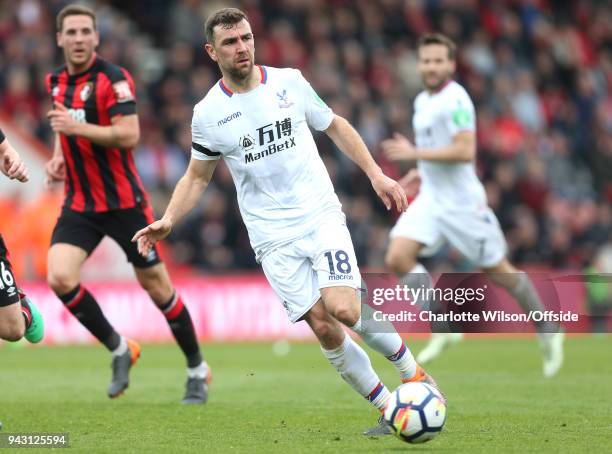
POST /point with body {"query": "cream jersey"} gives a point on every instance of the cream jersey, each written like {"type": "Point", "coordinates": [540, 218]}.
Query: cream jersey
{"type": "Point", "coordinates": [283, 188]}
{"type": "Point", "coordinates": [437, 118]}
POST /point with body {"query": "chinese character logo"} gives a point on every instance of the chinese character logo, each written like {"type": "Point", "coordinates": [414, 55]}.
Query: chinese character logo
{"type": "Point", "coordinates": [273, 131]}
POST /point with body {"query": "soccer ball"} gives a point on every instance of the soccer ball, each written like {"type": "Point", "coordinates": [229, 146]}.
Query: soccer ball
{"type": "Point", "coordinates": [416, 412]}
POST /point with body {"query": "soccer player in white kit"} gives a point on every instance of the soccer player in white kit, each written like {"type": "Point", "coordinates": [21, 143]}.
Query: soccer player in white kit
{"type": "Point", "coordinates": [451, 203]}
{"type": "Point", "coordinates": [257, 119]}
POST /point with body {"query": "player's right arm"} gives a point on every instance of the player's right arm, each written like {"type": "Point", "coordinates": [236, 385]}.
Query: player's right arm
{"type": "Point", "coordinates": [123, 132]}
{"type": "Point", "coordinates": [185, 196]}
{"type": "Point", "coordinates": [11, 164]}
{"type": "Point", "coordinates": [461, 149]}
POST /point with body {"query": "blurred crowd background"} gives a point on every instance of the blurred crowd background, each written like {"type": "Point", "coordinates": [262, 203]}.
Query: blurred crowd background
{"type": "Point", "coordinates": [539, 72]}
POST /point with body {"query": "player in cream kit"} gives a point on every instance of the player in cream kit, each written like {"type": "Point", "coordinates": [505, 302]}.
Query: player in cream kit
{"type": "Point", "coordinates": [257, 119]}
{"type": "Point", "coordinates": [451, 205]}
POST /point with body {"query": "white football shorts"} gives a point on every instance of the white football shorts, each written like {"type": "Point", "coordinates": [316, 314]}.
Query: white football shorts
{"type": "Point", "coordinates": [323, 258]}
{"type": "Point", "coordinates": [474, 231]}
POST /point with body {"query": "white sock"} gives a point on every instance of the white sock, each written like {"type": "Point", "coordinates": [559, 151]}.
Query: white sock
{"type": "Point", "coordinates": [355, 368]}
{"type": "Point", "coordinates": [382, 337]}
{"type": "Point", "coordinates": [122, 348]}
{"type": "Point", "coordinates": [200, 371]}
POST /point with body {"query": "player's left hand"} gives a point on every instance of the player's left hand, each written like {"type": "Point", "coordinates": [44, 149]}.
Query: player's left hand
{"type": "Point", "coordinates": [399, 148]}
{"type": "Point", "coordinates": [151, 234]}
{"type": "Point", "coordinates": [61, 121]}
{"type": "Point", "coordinates": [13, 167]}
{"type": "Point", "coordinates": [390, 191]}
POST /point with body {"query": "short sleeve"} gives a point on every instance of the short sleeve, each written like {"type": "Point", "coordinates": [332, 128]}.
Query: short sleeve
{"type": "Point", "coordinates": [318, 115]}
{"type": "Point", "coordinates": [121, 98]}
{"type": "Point", "coordinates": [460, 114]}
{"type": "Point", "coordinates": [200, 146]}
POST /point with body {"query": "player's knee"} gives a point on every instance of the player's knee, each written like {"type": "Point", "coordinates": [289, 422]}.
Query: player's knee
{"type": "Point", "coordinates": [399, 264]}
{"type": "Point", "coordinates": [160, 295]}
{"type": "Point", "coordinates": [322, 329]}
{"type": "Point", "coordinates": [342, 303]}
{"type": "Point", "coordinates": [13, 332]}
{"type": "Point", "coordinates": [61, 282]}
{"type": "Point", "coordinates": [328, 332]}
{"type": "Point", "coordinates": [157, 285]}
{"type": "Point", "coordinates": [324, 326]}
{"type": "Point", "coordinates": [150, 286]}
{"type": "Point", "coordinates": [504, 274]}
{"type": "Point", "coordinates": [347, 312]}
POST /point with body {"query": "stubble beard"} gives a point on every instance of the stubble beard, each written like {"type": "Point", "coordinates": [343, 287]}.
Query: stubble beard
{"type": "Point", "coordinates": [441, 81]}
{"type": "Point", "coordinates": [240, 75]}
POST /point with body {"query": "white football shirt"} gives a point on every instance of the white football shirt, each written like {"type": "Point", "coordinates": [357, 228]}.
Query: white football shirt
{"type": "Point", "coordinates": [437, 118]}
{"type": "Point", "coordinates": [263, 135]}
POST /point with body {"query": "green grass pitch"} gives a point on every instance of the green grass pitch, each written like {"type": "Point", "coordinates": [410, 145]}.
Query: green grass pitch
{"type": "Point", "coordinates": [260, 402]}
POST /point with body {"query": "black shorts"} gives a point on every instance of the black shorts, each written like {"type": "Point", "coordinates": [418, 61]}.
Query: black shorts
{"type": "Point", "coordinates": [9, 294]}
{"type": "Point", "coordinates": [86, 230]}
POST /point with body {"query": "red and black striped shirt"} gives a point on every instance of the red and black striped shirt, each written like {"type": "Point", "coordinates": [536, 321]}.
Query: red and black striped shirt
{"type": "Point", "coordinates": [98, 178]}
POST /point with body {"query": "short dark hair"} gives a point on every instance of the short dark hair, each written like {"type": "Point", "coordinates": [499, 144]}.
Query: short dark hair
{"type": "Point", "coordinates": [74, 10]}
{"type": "Point", "coordinates": [439, 38]}
{"type": "Point", "coordinates": [225, 17]}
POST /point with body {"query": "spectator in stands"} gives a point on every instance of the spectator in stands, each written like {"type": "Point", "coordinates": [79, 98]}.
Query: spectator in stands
{"type": "Point", "coordinates": [540, 74]}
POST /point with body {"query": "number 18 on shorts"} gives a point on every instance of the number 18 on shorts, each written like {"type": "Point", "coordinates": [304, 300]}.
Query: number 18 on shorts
{"type": "Point", "coordinates": [323, 258]}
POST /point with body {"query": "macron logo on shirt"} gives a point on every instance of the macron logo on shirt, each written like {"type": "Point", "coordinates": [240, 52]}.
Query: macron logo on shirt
{"type": "Point", "coordinates": [229, 118]}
